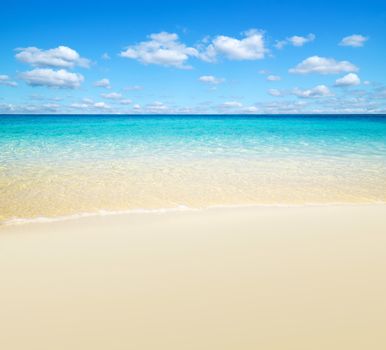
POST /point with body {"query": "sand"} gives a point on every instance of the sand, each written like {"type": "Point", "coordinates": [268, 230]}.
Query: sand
{"type": "Point", "coordinates": [246, 278]}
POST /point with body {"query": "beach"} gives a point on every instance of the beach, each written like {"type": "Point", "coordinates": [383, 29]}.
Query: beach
{"type": "Point", "coordinates": [269, 277]}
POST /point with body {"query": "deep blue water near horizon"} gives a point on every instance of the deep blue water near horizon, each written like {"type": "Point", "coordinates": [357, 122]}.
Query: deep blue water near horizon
{"type": "Point", "coordinates": [194, 160]}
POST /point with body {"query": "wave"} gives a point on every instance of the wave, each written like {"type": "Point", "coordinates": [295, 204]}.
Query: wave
{"type": "Point", "coordinates": [180, 208]}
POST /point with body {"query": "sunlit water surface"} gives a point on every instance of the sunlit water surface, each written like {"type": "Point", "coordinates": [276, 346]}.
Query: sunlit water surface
{"type": "Point", "coordinates": [65, 165]}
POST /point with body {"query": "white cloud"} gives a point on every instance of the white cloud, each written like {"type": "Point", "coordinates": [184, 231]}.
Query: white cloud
{"type": "Point", "coordinates": [112, 96]}
{"type": "Point", "coordinates": [5, 80]}
{"type": "Point", "coordinates": [251, 47]}
{"type": "Point", "coordinates": [79, 105]}
{"type": "Point", "coordinates": [133, 88]}
{"type": "Point", "coordinates": [273, 78]}
{"type": "Point", "coordinates": [301, 40]}
{"type": "Point", "coordinates": [61, 57]}
{"type": "Point", "coordinates": [163, 49]}
{"type": "Point", "coordinates": [355, 40]}
{"type": "Point", "coordinates": [350, 79]}
{"type": "Point", "coordinates": [125, 101]}
{"type": "Point", "coordinates": [275, 92]}
{"type": "Point", "coordinates": [52, 78]}
{"type": "Point", "coordinates": [315, 92]}
{"type": "Point", "coordinates": [105, 56]}
{"type": "Point", "coordinates": [295, 40]}
{"type": "Point", "coordinates": [210, 79]}
{"type": "Point", "coordinates": [231, 104]}
{"type": "Point", "coordinates": [88, 105]}
{"type": "Point", "coordinates": [322, 65]}
{"type": "Point", "coordinates": [104, 83]}
{"type": "Point", "coordinates": [166, 49]}
{"type": "Point", "coordinates": [156, 107]}
{"type": "Point", "coordinates": [250, 109]}
{"type": "Point", "coordinates": [101, 105]}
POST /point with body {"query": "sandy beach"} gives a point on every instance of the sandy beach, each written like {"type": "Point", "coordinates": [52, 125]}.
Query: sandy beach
{"type": "Point", "coordinates": [308, 277]}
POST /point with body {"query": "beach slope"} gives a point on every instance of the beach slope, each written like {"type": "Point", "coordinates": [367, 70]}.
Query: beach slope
{"type": "Point", "coordinates": [308, 277]}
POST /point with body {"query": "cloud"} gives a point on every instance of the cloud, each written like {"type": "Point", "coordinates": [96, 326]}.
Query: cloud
{"type": "Point", "coordinates": [133, 88]}
{"type": "Point", "coordinates": [30, 108]}
{"type": "Point", "coordinates": [88, 105]}
{"type": "Point", "coordinates": [231, 104]}
{"type": "Point", "coordinates": [101, 105]}
{"type": "Point", "coordinates": [112, 96]}
{"type": "Point", "coordinates": [350, 79]}
{"type": "Point", "coordinates": [295, 40]}
{"type": "Point", "coordinates": [60, 57]}
{"type": "Point", "coordinates": [105, 56]}
{"type": "Point", "coordinates": [163, 49]}
{"type": "Point", "coordinates": [125, 101]}
{"type": "Point", "coordinates": [315, 92]}
{"type": "Point", "coordinates": [322, 65]}
{"type": "Point", "coordinates": [104, 83]}
{"type": "Point", "coordinates": [156, 107]}
{"type": "Point", "coordinates": [52, 78]}
{"type": "Point", "coordinates": [5, 80]}
{"type": "Point", "coordinates": [273, 78]}
{"type": "Point", "coordinates": [355, 40]}
{"type": "Point", "coordinates": [210, 79]}
{"type": "Point", "coordinates": [275, 92]}
{"type": "Point", "coordinates": [251, 47]}
{"type": "Point", "coordinates": [250, 109]}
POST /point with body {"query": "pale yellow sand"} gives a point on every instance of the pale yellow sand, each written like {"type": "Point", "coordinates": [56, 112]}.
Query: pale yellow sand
{"type": "Point", "coordinates": [252, 278]}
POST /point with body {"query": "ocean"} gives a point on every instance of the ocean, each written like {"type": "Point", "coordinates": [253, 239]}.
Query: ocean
{"type": "Point", "coordinates": [62, 165]}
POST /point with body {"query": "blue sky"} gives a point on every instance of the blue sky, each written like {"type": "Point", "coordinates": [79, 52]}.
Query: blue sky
{"type": "Point", "coordinates": [193, 57]}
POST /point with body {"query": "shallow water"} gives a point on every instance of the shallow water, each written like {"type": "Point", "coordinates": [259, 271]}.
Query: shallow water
{"type": "Point", "coordinates": [64, 165]}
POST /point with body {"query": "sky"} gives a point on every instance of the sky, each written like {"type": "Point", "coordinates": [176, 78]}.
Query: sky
{"type": "Point", "coordinates": [209, 57]}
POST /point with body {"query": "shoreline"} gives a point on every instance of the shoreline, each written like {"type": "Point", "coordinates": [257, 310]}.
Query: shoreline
{"type": "Point", "coordinates": [180, 208]}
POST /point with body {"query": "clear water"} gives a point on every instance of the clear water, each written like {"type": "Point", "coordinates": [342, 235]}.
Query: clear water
{"type": "Point", "coordinates": [63, 165]}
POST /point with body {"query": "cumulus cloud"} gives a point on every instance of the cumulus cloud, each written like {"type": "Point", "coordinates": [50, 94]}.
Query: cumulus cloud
{"type": "Point", "coordinates": [5, 80]}
{"type": "Point", "coordinates": [52, 78]}
{"type": "Point", "coordinates": [250, 109]}
{"type": "Point", "coordinates": [275, 92]}
{"type": "Point", "coordinates": [355, 40]}
{"type": "Point", "coordinates": [315, 92]}
{"type": "Point", "coordinates": [231, 104]}
{"type": "Point", "coordinates": [163, 49]}
{"type": "Point", "coordinates": [112, 96]}
{"type": "Point", "coordinates": [87, 105]}
{"type": "Point", "coordinates": [103, 83]}
{"type": "Point", "coordinates": [273, 78]}
{"type": "Point", "coordinates": [125, 101]}
{"type": "Point", "coordinates": [60, 57]}
{"type": "Point", "coordinates": [101, 105]}
{"type": "Point", "coordinates": [210, 79]}
{"type": "Point", "coordinates": [156, 107]}
{"type": "Point", "coordinates": [251, 47]}
{"type": "Point", "coordinates": [133, 88]}
{"type": "Point", "coordinates": [350, 79]}
{"type": "Point", "coordinates": [295, 40]}
{"type": "Point", "coordinates": [323, 65]}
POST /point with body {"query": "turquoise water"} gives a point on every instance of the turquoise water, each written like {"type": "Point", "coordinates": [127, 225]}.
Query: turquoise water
{"type": "Point", "coordinates": [62, 165]}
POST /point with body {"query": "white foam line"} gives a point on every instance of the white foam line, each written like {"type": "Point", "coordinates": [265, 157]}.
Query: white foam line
{"type": "Point", "coordinates": [44, 219]}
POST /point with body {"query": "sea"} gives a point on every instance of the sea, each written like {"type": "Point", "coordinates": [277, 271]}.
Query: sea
{"type": "Point", "coordinates": [57, 166]}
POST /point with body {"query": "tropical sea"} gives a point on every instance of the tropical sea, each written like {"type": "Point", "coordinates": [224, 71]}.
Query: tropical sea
{"type": "Point", "coordinates": [63, 165]}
